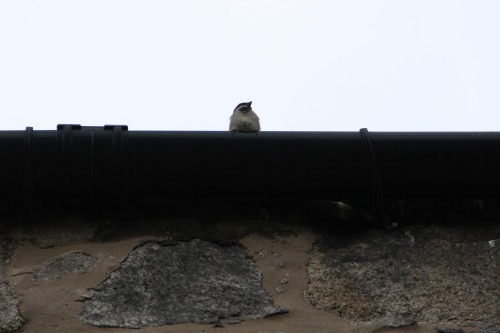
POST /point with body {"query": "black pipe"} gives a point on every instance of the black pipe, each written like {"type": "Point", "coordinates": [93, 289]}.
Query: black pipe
{"type": "Point", "coordinates": [94, 167]}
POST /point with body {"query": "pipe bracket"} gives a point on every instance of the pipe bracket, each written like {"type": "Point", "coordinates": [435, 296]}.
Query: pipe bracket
{"type": "Point", "coordinates": [377, 195]}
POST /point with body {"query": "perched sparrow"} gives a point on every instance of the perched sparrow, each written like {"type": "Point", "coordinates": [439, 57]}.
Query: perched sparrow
{"type": "Point", "coordinates": [244, 119]}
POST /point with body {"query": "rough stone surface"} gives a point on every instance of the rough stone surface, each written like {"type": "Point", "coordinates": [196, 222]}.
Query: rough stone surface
{"type": "Point", "coordinates": [57, 231]}
{"type": "Point", "coordinates": [69, 263]}
{"type": "Point", "coordinates": [449, 330]}
{"type": "Point", "coordinates": [10, 318]}
{"type": "Point", "coordinates": [401, 322]}
{"type": "Point", "coordinates": [490, 330]}
{"type": "Point", "coordinates": [194, 281]}
{"type": "Point", "coordinates": [446, 276]}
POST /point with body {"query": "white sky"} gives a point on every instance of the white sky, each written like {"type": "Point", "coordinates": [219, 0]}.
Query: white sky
{"type": "Point", "coordinates": [307, 65]}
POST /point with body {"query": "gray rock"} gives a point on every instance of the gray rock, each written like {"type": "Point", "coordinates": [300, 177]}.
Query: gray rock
{"type": "Point", "coordinates": [60, 231]}
{"type": "Point", "coordinates": [10, 318]}
{"type": "Point", "coordinates": [194, 281]}
{"type": "Point", "coordinates": [68, 263]}
{"type": "Point", "coordinates": [401, 322]}
{"type": "Point", "coordinates": [445, 276]}
{"type": "Point", "coordinates": [449, 330]}
{"type": "Point", "coordinates": [488, 330]}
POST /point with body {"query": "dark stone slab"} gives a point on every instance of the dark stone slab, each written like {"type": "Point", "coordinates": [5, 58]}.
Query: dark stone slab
{"type": "Point", "coordinates": [194, 281]}
{"type": "Point", "coordinates": [68, 263]}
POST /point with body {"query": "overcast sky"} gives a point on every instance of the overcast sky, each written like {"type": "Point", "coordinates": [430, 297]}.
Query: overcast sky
{"type": "Point", "coordinates": [329, 65]}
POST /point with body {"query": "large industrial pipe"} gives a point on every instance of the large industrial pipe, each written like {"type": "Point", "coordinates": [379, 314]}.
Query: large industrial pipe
{"type": "Point", "coordinates": [92, 167]}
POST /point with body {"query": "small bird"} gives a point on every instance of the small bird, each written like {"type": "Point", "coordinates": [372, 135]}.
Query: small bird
{"type": "Point", "coordinates": [244, 119]}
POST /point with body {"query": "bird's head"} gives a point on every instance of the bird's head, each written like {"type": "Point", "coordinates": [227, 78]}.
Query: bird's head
{"type": "Point", "coordinates": [244, 107]}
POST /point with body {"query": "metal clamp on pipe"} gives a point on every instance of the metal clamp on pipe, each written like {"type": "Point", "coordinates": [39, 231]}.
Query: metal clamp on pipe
{"type": "Point", "coordinates": [377, 187]}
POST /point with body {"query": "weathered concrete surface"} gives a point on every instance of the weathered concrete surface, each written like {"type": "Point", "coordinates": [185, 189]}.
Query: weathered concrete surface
{"type": "Point", "coordinates": [194, 281]}
{"type": "Point", "coordinates": [445, 276]}
{"type": "Point", "coordinates": [10, 318]}
{"type": "Point", "coordinates": [60, 230]}
{"type": "Point", "coordinates": [68, 263]}
{"type": "Point", "coordinates": [279, 243]}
